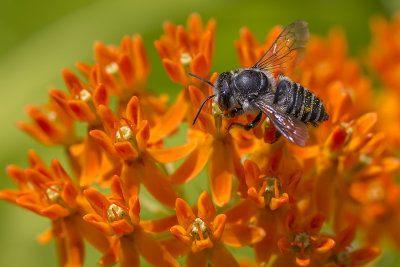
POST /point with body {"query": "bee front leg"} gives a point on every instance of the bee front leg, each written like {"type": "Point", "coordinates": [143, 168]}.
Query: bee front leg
{"type": "Point", "coordinates": [249, 126]}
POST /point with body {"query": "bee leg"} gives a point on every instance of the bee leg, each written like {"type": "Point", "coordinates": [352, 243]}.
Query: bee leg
{"type": "Point", "coordinates": [249, 126]}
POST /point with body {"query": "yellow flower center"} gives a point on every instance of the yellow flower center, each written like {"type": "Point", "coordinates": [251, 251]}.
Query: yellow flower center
{"type": "Point", "coordinates": [116, 213]}
{"type": "Point", "coordinates": [85, 95]}
{"type": "Point", "coordinates": [124, 134]}
{"type": "Point", "coordinates": [185, 60]}
{"type": "Point", "coordinates": [200, 230]}
{"type": "Point", "coordinates": [54, 195]}
{"type": "Point", "coordinates": [112, 68]}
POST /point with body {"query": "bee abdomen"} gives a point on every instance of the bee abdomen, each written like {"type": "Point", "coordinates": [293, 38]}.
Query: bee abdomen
{"type": "Point", "coordinates": [299, 102]}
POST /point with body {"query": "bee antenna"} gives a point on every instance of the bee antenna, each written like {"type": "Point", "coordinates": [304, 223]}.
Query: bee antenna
{"type": "Point", "coordinates": [198, 112]}
{"type": "Point", "coordinates": [201, 79]}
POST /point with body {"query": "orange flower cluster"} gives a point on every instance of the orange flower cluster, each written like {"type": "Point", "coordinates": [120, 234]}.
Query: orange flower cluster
{"type": "Point", "coordinates": [292, 205]}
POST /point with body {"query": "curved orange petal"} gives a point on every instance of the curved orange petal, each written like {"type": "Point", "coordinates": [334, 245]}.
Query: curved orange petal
{"type": "Point", "coordinates": [305, 261]}
{"type": "Point", "coordinates": [54, 212]}
{"type": "Point", "coordinates": [71, 80]}
{"type": "Point", "coordinates": [171, 120]}
{"type": "Point", "coordinates": [130, 181]}
{"type": "Point", "coordinates": [108, 118]}
{"type": "Point", "coordinates": [98, 222]}
{"type": "Point", "coordinates": [128, 255]}
{"type": "Point", "coordinates": [184, 213]}
{"type": "Point", "coordinates": [91, 161]}
{"type": "Point", "coordinates": [252, 172]}
{"type": "Point", "coordinates": [121, 227]}
{"type": "Point", "coordinates": [126, 70]}
{"type": "Point", "coordinates": [160, 225]}
{"type": "Point", "coordinates": [175, 71]}
{"type": "Point", "coordinates": [176, 248]}
{"type": "Point", "coordinates": [133, 111]}
{"type": "Point", "coordinates": [220, 257]}
{"type": "Point", "coordinates": [205, 206]}
{"type": "Point", "coordinates": [180, 233]}
{"type": "Point", "coordinates": [364, 255]}
{"type": "Point", "coordinates": [242, 213]}
{"type": "Point", "coordinates": [237, 235]}
{"type": "Point", "coordinates": [134, 209]}
{"type": "Point", "coordinates": [199, 65]}
{"type": "Point", "coordinates": [125, 150]}
{"type": "Point", "coordinates": [219, 226]}
{"type": "Point", "coordinates": [35, 132]}
{"type": "Point", "coordinates": [81, 110]}
{"type": "Point", "coordinates": [254, 196]}
{"type": "Point", "coordinates": [202, 244]}
{"type": "Point", "coordinates": [156, 183]}
{"type": "Point", "coordinates": [166, 155]}
{"type": "Point", "coordinates": [193, 164]}
{"type": "Point", "coordinates": [198, 259]}
{"type": "Point", "coordinates": [74, 244]}
{"type": "Point", "coordinates": [98, 202]}
{"type": "Point", "coordinates": [104, 141]}
{"type": "Point", "coordinates": [325, 245]}
{"type": "Point", "coordinates": [143, 135]}
{"type": "Point", "coordinates": [148, 247]}
{"type": "Point", "coordinates": [100, 96]}
{"type": "Point", "coordinates": [220, 176]}
{"type": "Point", "coordinates": [94, 236]}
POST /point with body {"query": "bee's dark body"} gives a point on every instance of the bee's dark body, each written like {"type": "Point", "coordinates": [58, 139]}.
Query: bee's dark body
{"type": "Point", "coordinates": [299, 101]}
{"type": "Point", "coordinates": [287, 104]}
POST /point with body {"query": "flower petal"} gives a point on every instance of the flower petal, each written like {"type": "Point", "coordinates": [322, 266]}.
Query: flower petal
{"type": "Point", "coordinates": [180, 233]}
{"type": "Point", "coordinates": [175, 247]}
{"type": "Point", "coordinates": [219, 225]}
{"type": "Point", "coordinates": [54, 212]}
{"type": "Point", "coordinates": [193, 164]}
{"type": "Point", "coordinates": [148, 247]}
{"type": "Point", "coordinates": [184, 213]}
{"type": "Point", "coordinates": [166, 155]}
{"type": "Point", "coordinates": [128, 255]}
{"type": "Point", "coordinates": [156, 182]}
{"type": "Point", "coordinates": [98, 222]}
{"type": "Point", "coordinates": [220, 257]}
{"type": "Point", "coordinates": [160, 225]}
{"type": "Point", "coordinates": [125, 150]}
{"type": "Point", "coordinates": [205, 206]}
{"type": "Point", "coordinates": [121, 227]}
{"type": "Point", "coordinates": [220, 176]}
{"type": "Point", "coordinates": [98, 202]}
{"type": "Point", "coordinates": [198, 259]}
{"type": "Point", "coordinates": [237, 235]}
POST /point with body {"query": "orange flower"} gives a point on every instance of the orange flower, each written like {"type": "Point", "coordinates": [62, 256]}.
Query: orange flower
{"type": "Point", "coordinates": [130, 139]}
{"type": "Point", "coordinates": [302, 239]}
{"type": "Point", "coordinates": [119, 215]}
{"type": "Point", "coordinates": [207, 233]}
{"type": "Point", "coordinates": [51, 125]}
{"type": "Point", "coordinates": [217, 147]}
{"type": "Point", "coordinates": [51, 193]}
{"type": "Point", "coordinates": [184, 51]}
{"type": "Point", "coordinates": [344, 254]}
{"type": "Point", "coordinates": [384, 52]}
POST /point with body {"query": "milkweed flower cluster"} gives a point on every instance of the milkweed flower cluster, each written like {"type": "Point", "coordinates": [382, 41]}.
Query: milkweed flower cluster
{"type": "Point", "coordinates": [291, 205]}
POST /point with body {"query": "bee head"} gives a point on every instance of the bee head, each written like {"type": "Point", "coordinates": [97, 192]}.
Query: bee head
{"type": "Point", "coordinates": [222, 91]}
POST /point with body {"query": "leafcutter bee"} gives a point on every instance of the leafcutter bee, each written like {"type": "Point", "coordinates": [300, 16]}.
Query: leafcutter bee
{"type": "Point", "coordinates": [287, 104]}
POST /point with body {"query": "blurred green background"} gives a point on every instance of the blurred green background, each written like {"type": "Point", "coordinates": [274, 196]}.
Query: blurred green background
{"type": "Point", "coordinates": [40, 38]}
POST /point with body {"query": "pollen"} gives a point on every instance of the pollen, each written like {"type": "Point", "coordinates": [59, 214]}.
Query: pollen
{"type": "Point", "coordinates": [126, 132]}
{"type": "Point", "coordinates": [186, 59]}
{"type": "Point", "coordinates": [85, 95]}
{"type": "Point", "coordinates": [54, 195]}
{"type": "Point", "coordinates": [200, 230]}
{"type": "Point", "coordinates": [112, 68]}
{"type": "Point", "coordinates": [116, 213]}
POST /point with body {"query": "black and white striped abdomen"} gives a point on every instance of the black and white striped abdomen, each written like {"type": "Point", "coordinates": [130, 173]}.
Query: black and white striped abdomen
{"type": "Point", "coordinates": [298, 101]}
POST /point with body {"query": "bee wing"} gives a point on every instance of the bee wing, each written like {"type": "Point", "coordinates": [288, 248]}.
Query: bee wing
{"type": "Point", "coordinates": [289, 126]}
{"type": "Point", "coordinates": [289, 45]}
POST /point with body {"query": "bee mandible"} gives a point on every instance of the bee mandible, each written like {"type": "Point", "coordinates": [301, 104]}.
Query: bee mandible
{"type": "Point", "coordinates": [287, 104]}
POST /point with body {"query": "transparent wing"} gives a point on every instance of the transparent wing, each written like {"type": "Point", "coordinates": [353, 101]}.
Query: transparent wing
{"type": "Point", "coordinates": [289, 45]}
{"type": "Point", "coordinates": [289, 126]}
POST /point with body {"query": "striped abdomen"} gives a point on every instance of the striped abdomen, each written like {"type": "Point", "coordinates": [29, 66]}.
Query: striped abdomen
{"type": "Point", "coordinates": [299, 101]}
